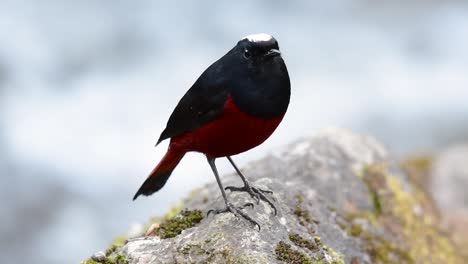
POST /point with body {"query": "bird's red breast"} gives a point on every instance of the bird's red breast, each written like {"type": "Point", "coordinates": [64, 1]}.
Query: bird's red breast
{"type": "Point", "coordinates": [233, 132]}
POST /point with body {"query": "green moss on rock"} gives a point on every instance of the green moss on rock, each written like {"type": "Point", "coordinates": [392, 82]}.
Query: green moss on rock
{"type": "Point", "coordinates": [118, 259]}
{"type": "Point", "coordinates": [418, 169]}
{"type": "Point", "coordinates": [379, 249]}
{"type": "Point", "coordinates": [327, 254]}
{"type": "Point", "coordinates": [109, 259]}
{"type": "Point", "coordinates": [355, 230]}
{"type": "Point", "coordinates": [285, 253]}
{"type": "Point", "coordinates": [175, 226]}
{"type": "Point", "coordinates": [375, 185]}
{"type": "Point", "coordinates": [336, 258]}
{"type": "Point", "coordinates": [303, 215]}
{"type": "Point", "coordinates": [304, 243]}
{"type": "Point", "coordinates": [319, 252]}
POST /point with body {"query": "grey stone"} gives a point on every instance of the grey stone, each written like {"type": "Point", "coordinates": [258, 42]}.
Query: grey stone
{"type": "Point", "coordinates": [99, 256]}
{"type": "Point", "coordinates": [449, 185]}
{"type": "Point", "coordinates": [449, 181]}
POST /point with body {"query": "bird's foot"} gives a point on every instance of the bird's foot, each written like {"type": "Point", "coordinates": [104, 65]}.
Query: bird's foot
{"type": "Point", "coordinates": [237, 211]}
{"type": "Point", "coordinates": [256, 193]}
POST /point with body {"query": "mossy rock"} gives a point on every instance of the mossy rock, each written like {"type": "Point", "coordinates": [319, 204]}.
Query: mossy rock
{"type": "Point", "coordinates": [173, 227]}
{"type": "Point", "coordinates": [326, 215]}
{"type": "Point", "coordinates": [117, 259]}
{"type": "Point", "coordinates": [407, 233]}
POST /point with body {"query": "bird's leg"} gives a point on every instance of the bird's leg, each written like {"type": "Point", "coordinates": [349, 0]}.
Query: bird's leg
{"type": "Point", "coordinates": [256, 193]}
{"type": "Point", "coordinates": [229, 206]}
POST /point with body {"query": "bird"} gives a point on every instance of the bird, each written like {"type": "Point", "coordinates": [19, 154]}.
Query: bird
{"type": "Point", "coordinates": [234, 106]}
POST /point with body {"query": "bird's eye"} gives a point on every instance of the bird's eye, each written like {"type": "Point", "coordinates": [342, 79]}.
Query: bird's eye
{"type": "Point", "coordinates": [247, 54]}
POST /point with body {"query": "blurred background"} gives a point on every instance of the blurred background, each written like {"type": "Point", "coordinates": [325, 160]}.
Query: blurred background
{"type": "Point", "coordinates": [87, 86]}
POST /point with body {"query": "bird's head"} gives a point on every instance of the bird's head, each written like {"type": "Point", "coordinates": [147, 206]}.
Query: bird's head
{"type": "Point", "coordinates": [254, 61]}
{"type": "Point", "coordinates": [258, 46]}
{"type": "Point", "coordinates": [253, 72]}
{"type": "Point", "coordinates": [255, 55]}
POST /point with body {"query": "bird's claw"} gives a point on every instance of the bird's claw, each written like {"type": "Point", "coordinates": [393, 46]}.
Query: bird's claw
{"type": "Point", "coordinates": [235, 211]}
{"type": "Point", "coordinates": [219, 211]}
{"type": "Point", "coordinates": [256, 193]}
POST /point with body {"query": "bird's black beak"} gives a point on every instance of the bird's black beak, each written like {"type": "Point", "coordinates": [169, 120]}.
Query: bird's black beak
{"type": "Point", "coordinates": [273, 53]}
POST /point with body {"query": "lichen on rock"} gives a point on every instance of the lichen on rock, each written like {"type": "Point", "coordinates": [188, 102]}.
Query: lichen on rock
{"type": "Point", "coordinates": [408, 234]}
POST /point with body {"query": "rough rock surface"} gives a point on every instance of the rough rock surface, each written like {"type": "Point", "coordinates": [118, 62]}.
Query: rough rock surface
{"type": "Point", "coordinates": [450, 178]}
{"type": "Point", "coordinates": [340, 199]}
{"type": "Point", "coordinates": [449, 183]}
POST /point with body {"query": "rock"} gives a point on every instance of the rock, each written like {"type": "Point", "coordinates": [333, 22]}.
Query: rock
{"type": "Point", "coordinates": [449, 182]}
{"type": "Point", "coordinates": [99, 256]}
{"type": "Point", "coordinates": [340, 198]}
{"type": "Point", "coordinates": [450, 178]}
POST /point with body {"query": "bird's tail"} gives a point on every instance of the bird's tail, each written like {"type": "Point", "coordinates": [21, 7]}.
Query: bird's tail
{"type": "Point", "coordinates": [161, 172]}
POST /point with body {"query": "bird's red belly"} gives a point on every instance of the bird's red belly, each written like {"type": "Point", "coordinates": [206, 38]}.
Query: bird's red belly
{"type": "Point", "coordinates": [232, 133]}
